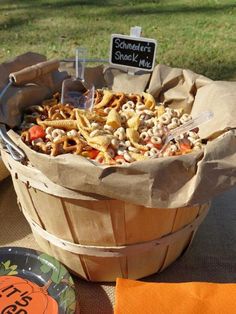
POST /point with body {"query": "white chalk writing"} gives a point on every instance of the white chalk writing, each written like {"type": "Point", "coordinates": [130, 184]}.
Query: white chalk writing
{"type": "Point", "coordinates": [122, 44]}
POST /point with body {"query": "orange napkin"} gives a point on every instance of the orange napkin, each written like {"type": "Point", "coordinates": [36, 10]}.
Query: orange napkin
{"type": "Point", "coordinates": [136, 297]}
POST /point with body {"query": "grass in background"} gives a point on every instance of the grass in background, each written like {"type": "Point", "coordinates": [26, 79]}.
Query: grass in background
{"type": "Point", "coordinates": [199, 35]}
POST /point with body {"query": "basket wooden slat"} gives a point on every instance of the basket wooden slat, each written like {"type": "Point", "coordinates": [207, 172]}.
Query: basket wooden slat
{"type": "Point", "coordinates": [183, 217]}
{"type": "Point", "coordinates": [148, 263]}
{"type": "Point", "coordinates": [27, 197]}
{"type": "Point", "coordinates": [72, 261]}
{"type": "Point", "coordinates": [95, 218]}
{"type": "Point", "coordinates": [25, 201]}
{"type": "Point", "coordinates": [104, 223]}
{"type": "Point", "coordinates": [4, 173]}
{"type": "Point", "coordinates": [141, 222]}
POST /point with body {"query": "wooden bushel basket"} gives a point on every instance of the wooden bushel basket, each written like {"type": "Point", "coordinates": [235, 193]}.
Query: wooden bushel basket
{"type": "Point", "coordinates": [102, 239]}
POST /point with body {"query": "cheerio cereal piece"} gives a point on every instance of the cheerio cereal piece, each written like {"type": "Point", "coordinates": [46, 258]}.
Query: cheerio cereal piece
{"type": "Point", "coordinates": [157, 131]}
{"type": "Point", "coordinates": [150, 132]}
{"type": "Point", "coordinates": [144, 136]}
{"type": "Point", "coordinates": [156, 140]}
{"type": "Point", "coordinates": [128, 157]}
{"type": "Point", "coordinates": [121, 150]}
{"type": "Point", "coordinates": [173, 148]}
{"type": "Point", "coordinates": [57, 134]}
{"type": "Point", "coordinates": [36, 141]}
{"type": "Point", "coordinates": [165, 118]}
{"type": "Point", "coordinates": [95, 125]}
{"type": "Point", "coordinates": [150, 145]}
{"type": "Point", "coordinates": [175, 122]}
{"type": "Point", "coordinates": [140, 107]}
{"type": "Point", "coordinates": [149, 123]}
{"type": "Point", "coordinates": [120, 134]}
{"type": "Point", "coordinates": [133, 149]}
{"type": "Point", "coordinates": [185, 117]}
{"type": "Point", "coordinates": [193, 135]}
{"type": "Point", "coordinates": [107, 110]}
{"type": "Point", "coordinates": [72, 133]}
{"type": "Point", "coordinates": [148, 154]}
{"type": "Point", "coordinates": [154, 152]}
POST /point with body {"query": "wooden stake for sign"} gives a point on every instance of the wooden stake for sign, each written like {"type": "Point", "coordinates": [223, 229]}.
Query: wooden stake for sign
{"type": "Point", "coordinates": [134, 32]}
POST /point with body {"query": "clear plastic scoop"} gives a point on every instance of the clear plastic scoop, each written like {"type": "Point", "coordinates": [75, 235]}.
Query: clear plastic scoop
{"type": "Point", "coordinates": [2, 93]}
{"type": "Point", "coordinates": [188, 126]}
{"type": "Point", "coordinates": [77, 91]}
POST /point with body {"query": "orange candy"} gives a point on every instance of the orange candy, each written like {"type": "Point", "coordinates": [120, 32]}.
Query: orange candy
{"type": "Point", "coordinates": [93, 153]}
{"type": "Point", "coordinates": [185, 145]}
{"type": "Point", "coordinates": [158, 146]}
{"type": "Point", "coordinates": [36, 132]}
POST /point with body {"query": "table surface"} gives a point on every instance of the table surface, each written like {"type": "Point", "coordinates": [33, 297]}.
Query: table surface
{"type": "Point", "coordinates": [211, 257]}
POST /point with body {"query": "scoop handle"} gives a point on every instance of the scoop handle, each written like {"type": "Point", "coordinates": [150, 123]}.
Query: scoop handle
{"type": "Point", "coordinates": [190, 125]}
{"type": "Point", "coordinates": [80, 60]}
{"type": "Point", "coordinates": [31, 73]}
{"type": "Point", "coordinates": [5, 89]}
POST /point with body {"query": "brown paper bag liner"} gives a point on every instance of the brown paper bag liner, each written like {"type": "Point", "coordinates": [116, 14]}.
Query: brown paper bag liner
{"type": "Point", "coordinates": [121, 81]}
{"type": "Point", "coordinates": [169, 182]}
{"type": "Point", "coordinates": [31, 176]}
{"type": "Point", "coordinates": [176, 87]}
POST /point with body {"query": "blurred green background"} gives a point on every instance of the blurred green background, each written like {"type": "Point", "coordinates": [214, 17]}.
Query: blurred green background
{"type": "Point", "coordinates": [199, 35]}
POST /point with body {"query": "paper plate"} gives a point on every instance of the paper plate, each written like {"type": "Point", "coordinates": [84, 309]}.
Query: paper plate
{"type": "Point", "coordinates": [33, 282]}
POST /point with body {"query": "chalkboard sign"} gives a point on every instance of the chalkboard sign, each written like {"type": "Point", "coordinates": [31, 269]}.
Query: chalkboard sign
{"type": "Point", "coordinates": [133, 52]}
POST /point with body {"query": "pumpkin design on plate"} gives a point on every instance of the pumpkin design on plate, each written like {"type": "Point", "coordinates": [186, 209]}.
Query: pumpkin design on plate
{"type": "Point", "coordinates": [33, 282]}
{"type": "Point", "coordinates": [21, 296]}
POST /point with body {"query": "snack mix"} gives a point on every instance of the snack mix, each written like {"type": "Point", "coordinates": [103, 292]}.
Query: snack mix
{"type": "Point", "coordinates": [121, 128]}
